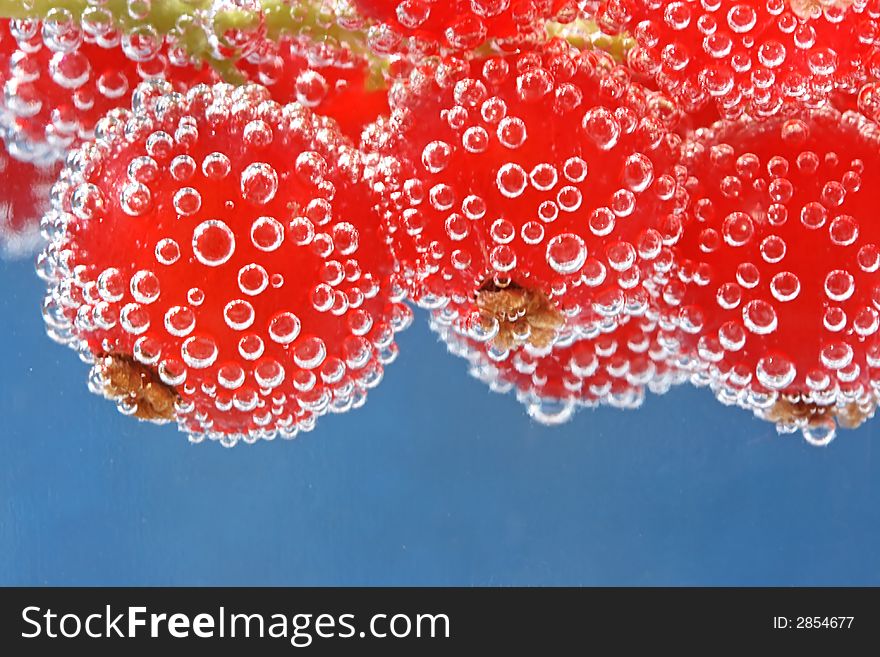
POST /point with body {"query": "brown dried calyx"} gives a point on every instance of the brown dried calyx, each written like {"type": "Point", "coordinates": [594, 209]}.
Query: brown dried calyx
{"type": "Point", "coordinates": [524, 316]}
{"type": "Point", "coordinates": [790, 410]}
{"type": "Point", "coordinates": [125, 378]}
{"type": "Point", "coordinates": [807, 9]}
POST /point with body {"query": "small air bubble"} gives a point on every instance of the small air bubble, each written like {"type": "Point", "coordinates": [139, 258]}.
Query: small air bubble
{"type": "Point", "coordinates": [213, 243]}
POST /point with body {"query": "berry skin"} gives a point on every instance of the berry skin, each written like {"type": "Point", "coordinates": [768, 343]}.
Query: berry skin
{"type": "Point", "coordinates": [60, 77]}
{"type": "Point", "coordinates": [528, 191]}
{"type": "Point", "coordinates": [24, 193]}
{"type": "Point", "coordinates": [777, 288]}
{"type": "Point", "coordinates": [610, 367]}
{"type": "Point", "coordinates": [216, 259]}
{"type": "Point", "coordinates": [462, 25]}
{"type": "Point", "coordinates": [750, 56]}
{"type": "Point", "coordinates": [331, 81]}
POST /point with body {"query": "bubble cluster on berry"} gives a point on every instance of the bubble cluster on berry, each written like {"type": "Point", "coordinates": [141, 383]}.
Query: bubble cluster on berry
{"type": "Point", "coordinates": [424, 27]}
{"type": "Point", "coordinates": [549, 171]}
{"type": "Point", "coordinates": [217, 244]}
{"type": "Point", "coordinates": [750, 57]}
{"type": "Point", "coordinates": [607, 365]}
{"type": "Point", "coordinates": [61, 74]}
{"type": "Point", "coordinates": [776, 290]}
{"type": "Point", "coordinates": [324, 76]}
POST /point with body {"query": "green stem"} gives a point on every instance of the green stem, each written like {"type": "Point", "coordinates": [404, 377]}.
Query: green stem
{"type": "Point", "coordinates": [585, 35]}
{"type": "Point", "coordinates": [282, 18]}
{"type": "Point", "coordinates": [182, 18]}
{"type": "Point", "coordinates": [162, 14]}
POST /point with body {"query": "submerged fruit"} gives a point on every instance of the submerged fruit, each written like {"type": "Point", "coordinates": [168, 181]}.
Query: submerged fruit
{"type": "Point", "coordinates": [528, 191]}
{"type": "Point", "coordinates": [215, 257]}
{"type": "Point", "coordinates": [608, 365]}
{"type": "Point", "coordinates": [750, 56]}
{"type": "Point", "coordinates": [61, 75]}
{"type": "Point", "coordinates": [777, 289]}
{"type": "Point", "coordinates": [462, 25]}
{"type": "Point", "coordinates": [329, 79]}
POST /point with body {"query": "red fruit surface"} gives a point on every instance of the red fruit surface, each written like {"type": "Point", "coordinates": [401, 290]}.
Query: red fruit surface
{"type": "Point", "coordinates": [548, 175]}
{"type": "Point", "coordinates": [750, 56]}
{"type": "Point", "coordinates": [59, 79]}
{"type": "Point", "coordinates": [330, 80]}
{"type": "Point", "coordinates": [461, 25]}
{"type": "Point", "coordinates": [610, 367]}
{"type": "Point", "coordinates": [777, 290]}
{"type": "Point", "coordinates": [216, 256]}
{"type": "Point", "coordinates": [24, 196]}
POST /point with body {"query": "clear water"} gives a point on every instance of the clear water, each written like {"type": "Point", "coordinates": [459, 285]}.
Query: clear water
{"type": "Point", "coordinates": [435, 481]}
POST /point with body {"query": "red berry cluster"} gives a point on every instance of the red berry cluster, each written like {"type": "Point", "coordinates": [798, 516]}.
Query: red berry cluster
{"type": "Point", "coordinates": [592, 199]}
{"type": "Point", "coordinates": [750, 56]}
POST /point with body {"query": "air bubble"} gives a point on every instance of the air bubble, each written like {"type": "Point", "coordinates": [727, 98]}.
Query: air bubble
{"type": "Point", "coordinates": [601, 126]}
{"type": "Point", "coordinates": [813, 215]}
{"type": "Point", "coordinates": [532, 233]}
{"type": "Point", "coordinates": [167, 251]}
{"type": "Point", "coordinates": [836, 355]}
{"type": "Point", "coordinates": [511, 132]}
{"type": "Point", "coordinates": [869, 258]}
{"type": "Point", "coordinates": [111, 285]}
{"type": "Point", "coordinates": [257, 134]}
{"type": "Point", "coordinates": [475, 139]}
{"type": "Point", "coordinates": [230, 376]}
{"type": "Point", "coordinates": [269, 374]}
{"type": "Point", "coordinates": [785, 286]}
{"type": "Point", "coordinates": [134, 318]}
{"type": "Point", "coordinates": [213, 243]}
{"type": "Point", "coordinates": [574, 169]}
{"type": "Point", "coordinates": [239, 315]}
{"type": "Point", "coordinates": [543, 177]}
{"type": "Point", "coordinates": [732, 336]}
{"type": "Point", "coordinates": [834, 319]}
{"type": "Point", "coordinates": [216, 166]}
{"type": "Point", "coordinates": [602, 222]}
{"type": "Point", "coordinates": [621, 256]}
{"type": "Point", "coordinates": [737, 229]}
{"type": "Point", "coordinates": [436, 156]}
{"type": "Point", "coordinates": [251, 347]}
{"type": "Point", "coordinates": [252, 279]}
{"type": "Point", "coordinates": [729, 296]}
{"type": "Point", "coordinates": [748, 275]}
{"type": "Point", "coordinates": [259, 183]}
{"type": "Point", "coordinates": [267, 233]}
{"type": "Point", "coordinates": [145, 287]}
{"type": "Point", "coordinates": [566, 253]}
{"type": "Point", "coordinates": [199, 352]}
{"type": "Point", "coordinates": [775, 372]}
{"type": "Point", "coordinates": [511, 180]}
{"type": "Point", "coordinates": [195, 296]}
{"type": "Point", "coordinates": [302, 231]}
{"type": "Point", "coordinates": [844, 230]}
{"type": "Point", "coordinates": [135, 199]}
{"type": "Point", "coordinates": [182, 168]}
{"type": "Point", "coordinates": [638, 172]}
{"type": "Point", "coordinates": [839, 285]}
{"type": "Point", "coordinates": [759, 317]}
{"type": "Point", "coordinates": [187, 201]}
{"type": "Point", "coordinates": [180, 321]}
{"type": "Point", "coordinates": [284, 328]}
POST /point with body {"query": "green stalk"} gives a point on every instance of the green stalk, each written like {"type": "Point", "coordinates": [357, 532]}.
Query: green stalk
{"type": "Point", "coordinates": [181, 17]}
{"type": "Point", "coordinates": [163, 14]}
